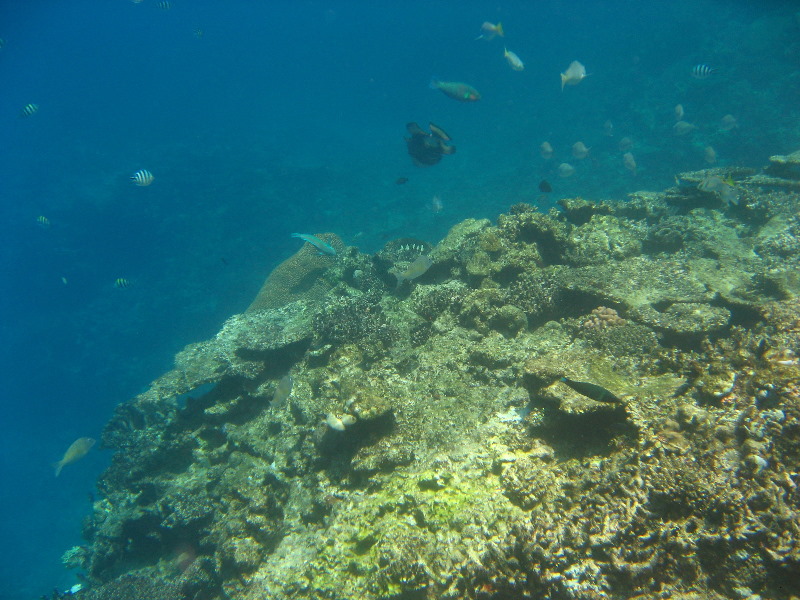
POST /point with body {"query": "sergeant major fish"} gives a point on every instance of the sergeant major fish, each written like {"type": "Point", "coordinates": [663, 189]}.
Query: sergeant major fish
{"type": "Point", "coordinates": [29, 109]}
{"type": "Point", "coordinates": [142, 178]}
{"type": "Point", "coordinates": [702, 71]}
{"type": "Point", "coordinates": [323, 247]}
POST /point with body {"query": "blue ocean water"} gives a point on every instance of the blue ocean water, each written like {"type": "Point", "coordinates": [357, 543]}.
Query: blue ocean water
{"type": "Point", "coordinates": [259, 119]}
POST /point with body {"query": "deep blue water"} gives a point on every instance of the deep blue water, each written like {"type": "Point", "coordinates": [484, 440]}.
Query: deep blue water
{"type": "Point", "coordinates": [290, 116]}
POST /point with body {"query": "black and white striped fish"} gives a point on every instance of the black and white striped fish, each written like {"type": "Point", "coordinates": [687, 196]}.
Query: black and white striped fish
{"type": "Point", "coordinates": [702, 71]}
{"type": "Point", "coordinates": [28, 110]}
{"type": "Point", "coordinates": [142, 178]}
{"type": "Point", "coordinates": [121, 283]}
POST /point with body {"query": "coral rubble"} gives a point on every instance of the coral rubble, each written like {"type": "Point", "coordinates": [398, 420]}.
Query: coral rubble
{"type": "Point", "coordinates": [429, 447]}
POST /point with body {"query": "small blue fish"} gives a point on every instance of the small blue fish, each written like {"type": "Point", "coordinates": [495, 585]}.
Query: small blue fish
{"type": "Point", "coordinates": [323, 247]}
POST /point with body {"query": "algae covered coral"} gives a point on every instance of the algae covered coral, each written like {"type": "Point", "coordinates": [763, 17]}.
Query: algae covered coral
{"type": "Point", "coordinates": [464, 467]}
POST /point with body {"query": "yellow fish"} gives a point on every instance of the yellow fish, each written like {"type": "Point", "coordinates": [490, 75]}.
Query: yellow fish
{"type": "Point", "coordinates": [77, 450]}
{"type": "Point", "coordinates": [489, 31]}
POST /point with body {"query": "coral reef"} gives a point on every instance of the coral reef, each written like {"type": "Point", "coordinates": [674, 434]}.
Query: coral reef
{"type": "Point", "coordinates": [430, 447]}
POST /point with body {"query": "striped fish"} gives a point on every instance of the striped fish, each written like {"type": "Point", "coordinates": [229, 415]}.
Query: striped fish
{"type": "Point", "coordinates": [43, 221]}
{"type": "Point", "coordinates": [142, 178]}
{"type": "Point", "coordinates": [702, 71]}
{"type": "Point", "coordinates": [121, 283]}
{"type": "Point", "coordinates": [164, 5]}
{"type": "Point", "coordinates": [28, 110]}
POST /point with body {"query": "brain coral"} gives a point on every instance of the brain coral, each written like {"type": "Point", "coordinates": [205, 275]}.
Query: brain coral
{"type": "Point", "coordinates": [299, 277]}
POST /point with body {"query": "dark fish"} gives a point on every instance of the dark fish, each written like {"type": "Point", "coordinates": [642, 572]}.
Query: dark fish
{"type": "Point", "coordinates": [590, 390]}
{"type": "Point", "coordinates": [702, 71]}
{"type": "Point", "coordinates": [456, 90]}
{"type": "Point", "coordinates": [426, 148]}
{"type": "Point", "coordinates": [401, 180]}
{"type": "Point", "coordinates": [544, 186]}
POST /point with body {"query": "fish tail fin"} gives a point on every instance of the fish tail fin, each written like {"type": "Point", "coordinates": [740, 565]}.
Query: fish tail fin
{"type": "Point", "coordinates": [434, 83]}
{"type": "Point", "coordinates": [480, 37]}
{"type": "Point", "coordinates": [57, 466]}
{"type": "Point", "coordinates": [499, 30]}
{"type": "Point", "coordinates": [563, 81]}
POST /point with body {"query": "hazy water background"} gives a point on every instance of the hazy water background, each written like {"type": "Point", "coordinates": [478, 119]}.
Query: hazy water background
{"type": "Point", "coordinates": [290, 116]}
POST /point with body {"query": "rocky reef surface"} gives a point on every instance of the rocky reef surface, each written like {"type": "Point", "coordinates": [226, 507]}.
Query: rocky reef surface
{"type": "Point", "coordinates": [432, 445]}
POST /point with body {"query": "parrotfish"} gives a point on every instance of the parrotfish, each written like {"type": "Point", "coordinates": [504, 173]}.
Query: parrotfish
{"type": "Point", "coordinates": [282, 392]}
{"type": "Point", "coordinates": [323, 247]}
{"type": "Point", "coordinates": [456, 90]}
{"type": "Point", "coordinates": [419, 267]}
{"type": "Point", "coordinates": [590, 390]}
{"type": "Point", "coordinates": [425, 148]}
{"type": "Point", "coordinates": [77, 450]}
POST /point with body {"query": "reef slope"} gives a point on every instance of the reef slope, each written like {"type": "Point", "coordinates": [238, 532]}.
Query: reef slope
{"type": "Point", "coordinates": [431, 448]}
